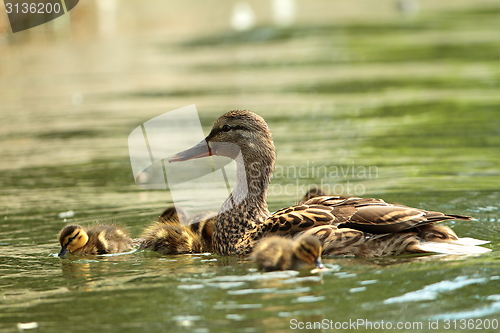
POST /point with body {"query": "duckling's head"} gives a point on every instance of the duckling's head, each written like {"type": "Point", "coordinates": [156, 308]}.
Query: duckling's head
{"type": "Point", "coordinates": [312, 193]}
{"type": "Point", "coordinates": [72, 238]}
{"type": "Point", "coordinates": [235, 131]}
{"type": "Point", "coordinates": [173, 215]}
{"type": "Point", "coordinates": [308, 249]}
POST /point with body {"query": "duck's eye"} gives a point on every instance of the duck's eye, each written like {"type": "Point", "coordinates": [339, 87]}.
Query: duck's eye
{"type": "Point", "coordinates": [226, 128]}
{"type": "Point", "coordinates": [71, 239]}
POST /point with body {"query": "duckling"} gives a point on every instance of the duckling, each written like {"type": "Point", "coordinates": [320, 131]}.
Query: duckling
{"type": "Point", "coordinates": [169, 235]}
{"type": "Point", "coordinates": [280, 253]}
{"type": "Point", "coordinates": [97, 239]}
{"type": "Point", "coordinates": [173, 215]}
{"type": "Point", "coordinates": [313, 192]}
{"type": "Point", "coordinates": [170, 239]}
{"type": "Point", "coordinates": [204, 228]}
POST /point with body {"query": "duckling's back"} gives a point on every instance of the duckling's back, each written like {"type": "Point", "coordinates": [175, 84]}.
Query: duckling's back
{"type": "Point", "coordinates": [170, 239]}
{"type": "Point", "coordinates": [274, 253]}
{"type": "Point", "coordinates": [105, 239]}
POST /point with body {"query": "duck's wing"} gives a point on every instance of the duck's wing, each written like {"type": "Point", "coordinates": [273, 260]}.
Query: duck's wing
{"type": "Point", "coordinates": [378, 216]}
{"type": "Point", "coordinates": [352, 242]}
{"type": "Point", "coordinates": [294, 219]}
{"type": "Point", "coordinates": [346, 212]}
{"type": "Point", "coordinates": [359, 216]}
{"type": "Point", "coordinates": [285, 222]}
{"type": "Point", "coordinates": [388, 218]}
{"type": "Point", "coordinates": [338, 241]}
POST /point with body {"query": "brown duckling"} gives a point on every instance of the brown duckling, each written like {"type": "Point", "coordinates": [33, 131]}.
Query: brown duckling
{"type": "Point", "coordinates": [173, 215]}
{"type": "Point", "coordinates": [244, 217]}
{"type": "Point", "coordinates": [170, 239]}
{"type": "Point", "coordinates": [313, 192]}
{"type": "Point", "coordinates": [204, 228]}
{"type": "Point", "coordinates": [97, 239]}
{"type": "Point", "coordinates": [279, 253]}
{"type": "Point", "coordinates": [170, 235]}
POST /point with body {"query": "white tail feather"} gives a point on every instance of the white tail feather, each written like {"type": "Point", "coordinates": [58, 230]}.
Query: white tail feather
{"type": "Point", "coordinates": [448, 248]}
{"type": "Point", "coordinates": [470, 241]}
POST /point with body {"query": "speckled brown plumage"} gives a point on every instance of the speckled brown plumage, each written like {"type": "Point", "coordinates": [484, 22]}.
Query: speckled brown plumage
{"type": "Point", "coordinates": [351, 242]}
{"type": "Point", "coordinates": [352, 223]}
{"type": "Point", "coordinates": [96, 239]}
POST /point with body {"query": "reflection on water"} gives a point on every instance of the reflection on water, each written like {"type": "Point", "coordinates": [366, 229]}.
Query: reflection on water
{"type": "Point", "coordinates": [414, 97]}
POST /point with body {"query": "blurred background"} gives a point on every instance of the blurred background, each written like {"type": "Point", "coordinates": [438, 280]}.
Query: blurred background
{"type": "Point", "coordinates": [370, 83]}
{"type": "Point", "coordinates": [400, 98]}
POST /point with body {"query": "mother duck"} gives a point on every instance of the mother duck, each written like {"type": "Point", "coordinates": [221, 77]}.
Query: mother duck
{"type": "Point", "coordinates": [345, 225]}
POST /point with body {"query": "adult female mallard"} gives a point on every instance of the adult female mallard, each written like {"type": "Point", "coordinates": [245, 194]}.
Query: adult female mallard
{"type": "Point", "coordinates": [97, 239]}
{"type": "Point", "coordinates": [244, 217]}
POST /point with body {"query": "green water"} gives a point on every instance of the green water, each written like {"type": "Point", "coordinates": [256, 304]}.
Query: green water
{"type": "Point", "coordinates": [405, 109]}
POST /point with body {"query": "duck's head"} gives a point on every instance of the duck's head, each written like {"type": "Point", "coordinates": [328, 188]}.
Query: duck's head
{"type": "Point", "coordinates": [312, 193]}
{"type": "Point", "coordinates": [308, 249]}
{"type": "Point", "coordinates": [235, 131]}
{"type": "Point", "coordinates": [72, 237]}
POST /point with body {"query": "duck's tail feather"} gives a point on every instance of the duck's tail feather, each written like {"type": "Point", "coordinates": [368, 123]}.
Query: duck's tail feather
{"type": "Point", "coordinates": [469, 241]}
{"type": "Point", "coordinates": [451, 248]}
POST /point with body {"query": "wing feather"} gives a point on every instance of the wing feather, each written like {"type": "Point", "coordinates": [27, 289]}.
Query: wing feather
{"type": "Point", "coordinates": [374, 216]}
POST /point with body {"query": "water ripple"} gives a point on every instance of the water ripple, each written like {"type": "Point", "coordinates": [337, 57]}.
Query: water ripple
{"type": "Point", "coordinates": [476, 313]}
{"type": "Point", "coordinates": [226, 285]}
{"type": "Point", "coordinates": [309, 299]}
{"type": "Point", "coordinates": [357, 290]}
{"type": "Point", "coordinates": [251, 291]}
{"type": "Point", "coordinates": [431, 291]}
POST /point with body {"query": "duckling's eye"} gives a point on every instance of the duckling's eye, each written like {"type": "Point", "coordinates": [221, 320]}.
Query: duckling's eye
{"type": "Point", "coordinates": [226, 128]}
{"type": "Point", "coordinates": [71, 239]}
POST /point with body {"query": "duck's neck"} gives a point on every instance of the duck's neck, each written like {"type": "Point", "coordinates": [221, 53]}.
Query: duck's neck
{"type": "Point", "coordinates": [246, 207]}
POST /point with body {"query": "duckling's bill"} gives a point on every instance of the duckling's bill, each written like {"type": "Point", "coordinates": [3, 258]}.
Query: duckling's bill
{"type": "Point", "coordinates": [319, 266]}
{"type": "Point", "coordinates": [318, 263]}
{"type": "Point", "coordinates": [62, 252]}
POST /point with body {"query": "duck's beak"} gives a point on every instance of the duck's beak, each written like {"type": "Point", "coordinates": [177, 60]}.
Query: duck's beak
{"type": "Point", "coordinates": [63, 252]}
{"type": "Point", "coordinates": [318, 263]}
{"type": "Point", "coordinates": [198, 151]}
